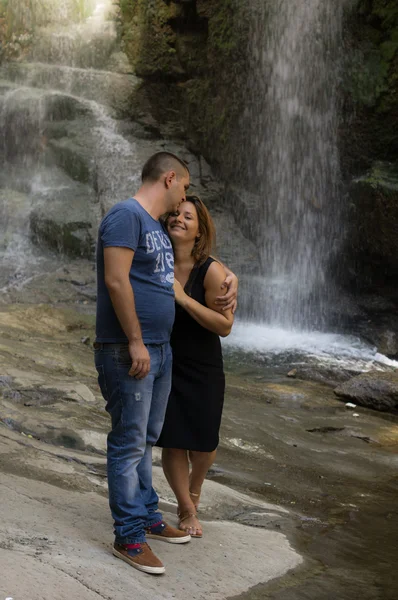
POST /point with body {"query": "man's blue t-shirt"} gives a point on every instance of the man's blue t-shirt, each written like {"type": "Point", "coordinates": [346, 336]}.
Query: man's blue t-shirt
{"type": "Point", "coordinates": [129, 225]}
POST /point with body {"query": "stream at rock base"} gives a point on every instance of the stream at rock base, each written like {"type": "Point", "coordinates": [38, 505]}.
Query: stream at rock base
{"type": "Point", "coordinates": [300, 447]}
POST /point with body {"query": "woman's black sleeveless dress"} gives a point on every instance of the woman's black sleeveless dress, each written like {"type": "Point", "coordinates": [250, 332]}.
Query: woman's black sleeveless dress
{"type": "Point", "coordinates": [196, 399]}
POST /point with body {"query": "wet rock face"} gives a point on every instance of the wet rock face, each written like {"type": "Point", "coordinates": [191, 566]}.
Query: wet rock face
{"type": "Point", "coordinates": [113, 89]}
{"type": "Point", "coordinates": [371, 254]}
{"type": "Point", "coordinates": [388, 342]}
{"type": "Point", "coordinates": [191, 57]}
{"type": "Point", "coordinates": [371, 84]}
{"type": "Point", "coordinates": [373, 390]}
{"type": "Point", "coordinates": [382, 331]}
{"type": "Point", "coordinates": [374, 223]}
{"type": "Point", "coordinates": [368, 135]}
{"type": "Point", "coordinates": [65, 223]}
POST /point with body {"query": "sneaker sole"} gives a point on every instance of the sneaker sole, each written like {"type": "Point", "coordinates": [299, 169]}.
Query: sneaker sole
{"type": "Point", "coordinates": [169, 540]}
{"type": "Point", "coordinates": [144, 568]}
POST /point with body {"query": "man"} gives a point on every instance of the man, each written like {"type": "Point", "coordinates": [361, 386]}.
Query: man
{"type": "Point", "coordinates": [135, 314]}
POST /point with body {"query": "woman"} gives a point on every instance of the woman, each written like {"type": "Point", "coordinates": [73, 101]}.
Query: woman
{"type": "Point", "coordinates": [193, 417]}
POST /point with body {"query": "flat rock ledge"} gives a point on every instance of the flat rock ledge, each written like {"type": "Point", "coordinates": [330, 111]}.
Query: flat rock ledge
{"type": "Point", "coordinates": [56, 536]}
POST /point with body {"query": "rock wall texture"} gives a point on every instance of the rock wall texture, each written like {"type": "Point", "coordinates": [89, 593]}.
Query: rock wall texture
{"type": "Point", "coordinates": [191, 57]}
{"type": "Point", "coordinates": [371, 84]}
{"type": "Point", "coordinates": [370, 143]}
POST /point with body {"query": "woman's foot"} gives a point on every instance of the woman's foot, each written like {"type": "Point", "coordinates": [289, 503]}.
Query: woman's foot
{"type": "Point", "coordinates": [195, 499]}
{"type": "Point", "coordinates": [194, 493]}
{"type": "Point", "coordinates": [188, 522]}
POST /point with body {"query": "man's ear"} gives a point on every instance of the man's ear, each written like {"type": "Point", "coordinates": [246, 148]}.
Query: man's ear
{"type": "Point", "coordinates": [170, 176]}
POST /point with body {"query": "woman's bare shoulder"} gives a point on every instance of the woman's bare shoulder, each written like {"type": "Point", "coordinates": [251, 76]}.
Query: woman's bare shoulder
{"type": "Point", "coordinates": [215, 274]}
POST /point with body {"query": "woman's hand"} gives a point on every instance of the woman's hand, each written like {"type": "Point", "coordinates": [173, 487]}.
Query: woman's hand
{"type": "Point", "coordinates": [229, 300]}
{"type": "Point", "coordinates": [179, 293]}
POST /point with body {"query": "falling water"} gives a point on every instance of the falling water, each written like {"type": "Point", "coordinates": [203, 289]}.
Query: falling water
{"type": "Point", "coordinates": [293, 118]}
{"type": "Point", "coordinates": [61, 150]}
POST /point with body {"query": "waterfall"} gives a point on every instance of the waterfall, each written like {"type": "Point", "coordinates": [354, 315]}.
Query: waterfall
{"type": "Point", "coordinates": [292, 120]}
{"type": "Point", "coordinates": [63, 160]}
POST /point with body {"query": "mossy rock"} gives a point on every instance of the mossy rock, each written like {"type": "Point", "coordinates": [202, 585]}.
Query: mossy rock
{"type": "Point", "coordinates": [191, 56]}
{"type": "Point", "coordinates": [383, 177]}
{"type": "Point", "coordinates": [64, 221]}
{"type": "Point", "coordinates": [373, 222]}
{"type": "Point", "coordinates": [74, 159]}
{"type": "Point", "coordinates": [371, 84]}
{"type": "Point", "coordinates": [375, 390]}
{"type": "Point", "coordinates": [73, 239]}
{"type": "Point", "coordinates": [149, 37]}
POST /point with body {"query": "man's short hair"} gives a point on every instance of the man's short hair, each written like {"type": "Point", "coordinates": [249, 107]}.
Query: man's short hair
{"type": "Point", "coordinates": [160, 163]}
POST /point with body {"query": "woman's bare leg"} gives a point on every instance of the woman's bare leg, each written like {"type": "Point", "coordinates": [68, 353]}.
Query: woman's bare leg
{"type": "Point", "coordinates": [201, 463]}
{"type": "Point", "coordinates": [176, 469]}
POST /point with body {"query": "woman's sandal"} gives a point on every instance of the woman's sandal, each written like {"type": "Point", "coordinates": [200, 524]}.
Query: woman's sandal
{"type": "Point", "coordinates": [183, 516]}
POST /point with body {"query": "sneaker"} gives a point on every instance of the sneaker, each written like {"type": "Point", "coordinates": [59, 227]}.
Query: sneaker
{"type": "Point", "coordinates": [167, 533]}
{"type": "Point", "coordinates": [139, 556]}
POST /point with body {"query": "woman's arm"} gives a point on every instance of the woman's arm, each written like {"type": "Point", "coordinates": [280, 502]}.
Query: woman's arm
{"type": "Point", "coordinates": [214, 319]}
{"type": "Point", "coordinates": [229, 299]}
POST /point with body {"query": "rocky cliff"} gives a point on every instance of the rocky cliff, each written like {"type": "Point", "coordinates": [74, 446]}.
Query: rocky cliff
{"type": "Point", "coordinates": [191, 56]}
{"type": "Point", "coordinates": [371, 84]}
{"type": "Point", "coordinates": [370, 143]}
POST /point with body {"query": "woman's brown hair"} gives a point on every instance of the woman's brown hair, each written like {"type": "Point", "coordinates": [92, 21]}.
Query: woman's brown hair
{"type": "Point", "coordinates": [206, 240]}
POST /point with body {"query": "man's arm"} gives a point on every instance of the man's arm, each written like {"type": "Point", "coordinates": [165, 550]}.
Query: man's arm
{"type": "Point", "coordinates": [117, 263]}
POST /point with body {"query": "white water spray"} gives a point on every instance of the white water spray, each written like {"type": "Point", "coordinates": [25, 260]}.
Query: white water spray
{"type": "Point", "coordinates": [293, 117]}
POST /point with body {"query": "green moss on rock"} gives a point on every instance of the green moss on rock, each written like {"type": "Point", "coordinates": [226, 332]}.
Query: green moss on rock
{"type": "Point", "coordinates": [372, 70]}
{"type": "Point", "coordinates": [149, 38]}
{"type": "Point", "coordinates": [374, 224]}
{"type": "Point", "coordinates": [198, 47]}
{"type": "Point", "coordinates": [371, 85]}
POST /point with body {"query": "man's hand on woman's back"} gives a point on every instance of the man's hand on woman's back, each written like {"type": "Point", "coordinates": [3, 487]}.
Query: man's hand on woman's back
{"type": "Point", "coordinates": [230, 299]}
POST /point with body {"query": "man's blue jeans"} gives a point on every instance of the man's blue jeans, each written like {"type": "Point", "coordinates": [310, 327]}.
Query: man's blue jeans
{"type": "Point", "coordinates": [137, 408]}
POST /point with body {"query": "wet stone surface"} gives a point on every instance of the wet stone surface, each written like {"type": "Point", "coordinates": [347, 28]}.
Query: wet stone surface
{"type": "Point", "coordinates": [330, 475]}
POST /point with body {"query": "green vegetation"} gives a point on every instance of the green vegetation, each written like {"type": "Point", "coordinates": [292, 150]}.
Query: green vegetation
{"type": "Point", "coordinates": [197, 50]}
{"type": "Point", "coordinates": [3, 8]}
{"type": "Point", "coordinates": [382, 176]}
{"type": "Point", "coordinates": [373, 69]}
{"type": "Point", "coordinates": [223, 29]}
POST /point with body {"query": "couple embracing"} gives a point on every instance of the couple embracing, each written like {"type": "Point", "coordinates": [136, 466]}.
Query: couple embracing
{"type": "Point", "coordinates": [160, 312]}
